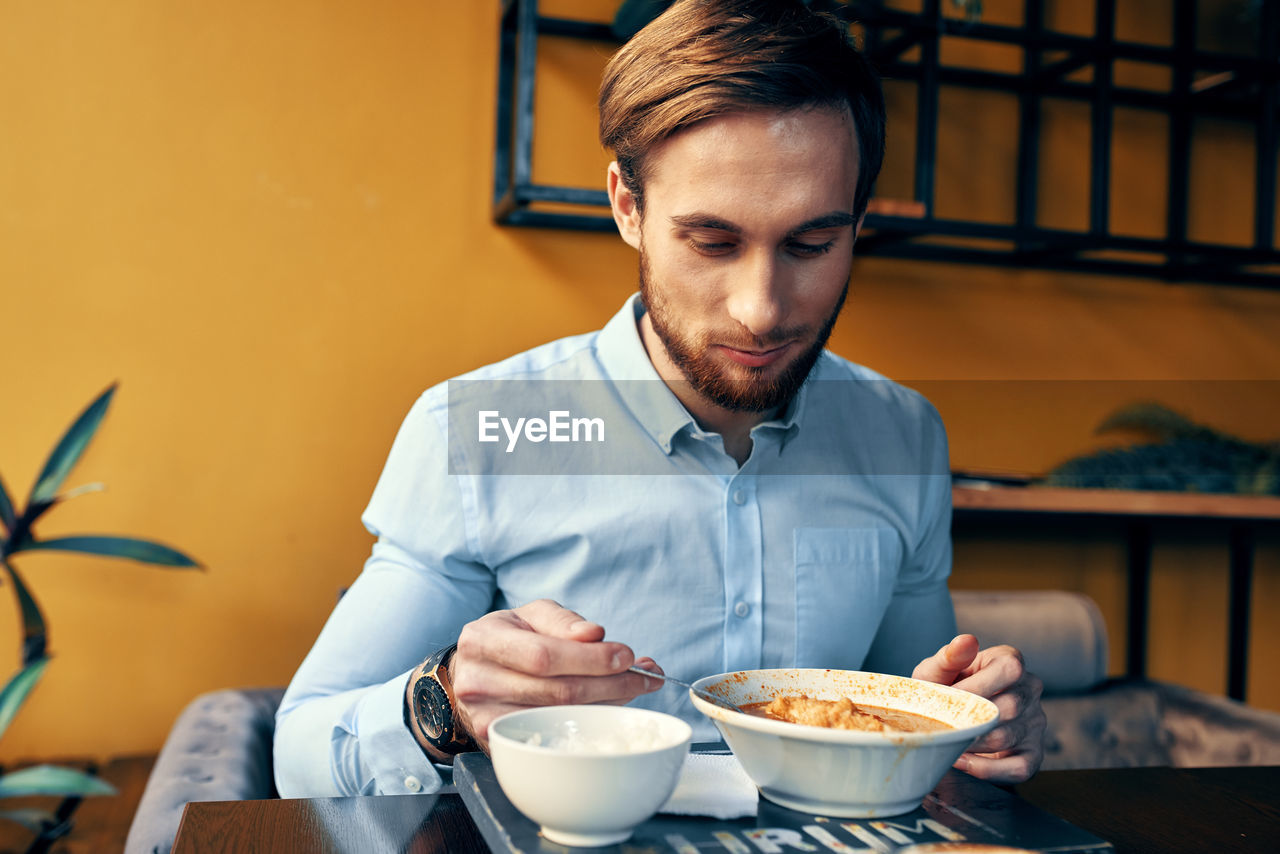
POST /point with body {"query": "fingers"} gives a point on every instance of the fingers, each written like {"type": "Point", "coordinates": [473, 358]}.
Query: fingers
{"type": "Point", "coordinates": [1021, 721]}
{"type": "Point", "coordinates": [543, 639]}
{"type": "Point", "coordinates": [483, 693]}
{"type": "Point", "coordinates": [1007, 768]}
{"type": "Point", "coordinates": [948, 663]}
{"type": "Point", "coordinates": [548, 618]}
{"type": "Point", "coordinates": [539, 655]}
{"type": "Point", "coordinates": [650, 685]}
{"type": "Point", "coordinates": [1012, 764]}
{"type": "Point", "coordinates": [1013, 750]}
{"type": "Point", "coordinates": [484, 683]}
{"type": "Point", "coordinates": [995, 669]}
{"type": "Point", "coordinates": [1010, 731]}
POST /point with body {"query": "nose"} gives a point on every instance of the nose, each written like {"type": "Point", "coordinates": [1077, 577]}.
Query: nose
{"type": "Point", "coordinates": [757, 297]}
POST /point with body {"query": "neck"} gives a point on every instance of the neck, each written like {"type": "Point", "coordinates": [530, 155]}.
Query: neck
{"type": "Point", "coordinates": [733, 426]}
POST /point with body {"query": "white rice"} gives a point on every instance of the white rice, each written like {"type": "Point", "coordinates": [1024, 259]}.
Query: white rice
{"type": "Point", "coordinates": [630, 737]}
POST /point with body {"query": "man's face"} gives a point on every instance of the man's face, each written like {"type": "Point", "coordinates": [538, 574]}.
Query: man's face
{"type": "Point", "coordinates": [746, 243]}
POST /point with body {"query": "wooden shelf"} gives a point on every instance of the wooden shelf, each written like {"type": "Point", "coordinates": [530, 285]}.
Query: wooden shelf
{"type": "Point", "coordinates": [1114, 502]}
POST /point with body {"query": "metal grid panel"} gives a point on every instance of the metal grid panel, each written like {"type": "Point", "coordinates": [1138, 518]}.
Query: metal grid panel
{"type": "Point", "coordinates": [1237, 87]}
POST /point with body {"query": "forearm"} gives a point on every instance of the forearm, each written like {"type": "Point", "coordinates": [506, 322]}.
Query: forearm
{"type": "Point", "coordinates": [341, 727]}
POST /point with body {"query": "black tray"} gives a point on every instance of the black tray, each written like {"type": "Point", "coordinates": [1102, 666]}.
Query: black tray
{"type": "Point", "coordinates": [960, 807]}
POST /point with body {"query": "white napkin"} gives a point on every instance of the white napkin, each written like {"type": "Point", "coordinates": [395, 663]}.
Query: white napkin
{"type": "Point", "coordinates": [714, 785]}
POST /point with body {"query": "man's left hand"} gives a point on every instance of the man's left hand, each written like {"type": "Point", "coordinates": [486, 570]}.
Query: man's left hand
{"type": "Point", "coordinates": [1013, 751]}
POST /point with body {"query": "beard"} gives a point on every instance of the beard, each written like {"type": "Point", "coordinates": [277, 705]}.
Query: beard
{"type": "Point", "coordinates": [755, 391]}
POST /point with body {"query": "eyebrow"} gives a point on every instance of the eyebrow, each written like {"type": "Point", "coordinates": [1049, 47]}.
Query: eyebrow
{"type": "Point", "coordinates": [836, 219]}
{"type": "Point", "coordinates": [702, 220]}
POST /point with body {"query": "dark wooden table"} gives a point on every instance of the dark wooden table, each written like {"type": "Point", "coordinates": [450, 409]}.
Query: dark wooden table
{"type": "Point", "coordinates": [1139, 810]}
{"type": "Point", "coordinates": [1167, 809]}
{"type": "Point", "coordinates": [413, 824]}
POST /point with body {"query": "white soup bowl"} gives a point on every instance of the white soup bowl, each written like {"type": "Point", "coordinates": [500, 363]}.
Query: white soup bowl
{"type": "Point", "coordinates": [845, 773]}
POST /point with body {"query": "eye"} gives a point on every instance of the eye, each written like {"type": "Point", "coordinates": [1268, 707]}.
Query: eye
{"type": "Point", "coordinates": [711, 247]}
{"type": "Point", "coordinates": [810, 250]}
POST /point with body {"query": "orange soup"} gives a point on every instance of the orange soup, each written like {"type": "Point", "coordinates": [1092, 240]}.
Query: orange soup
{"type": "Point", "coordinates": [842, 714]}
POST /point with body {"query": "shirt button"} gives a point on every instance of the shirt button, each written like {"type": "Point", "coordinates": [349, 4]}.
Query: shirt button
{"type": "Point", "coordinates": [739, 497]}
{"type": "Point", "coordinates": [412, 783]}
{"type": "Point", "coordinates": [742, 609]}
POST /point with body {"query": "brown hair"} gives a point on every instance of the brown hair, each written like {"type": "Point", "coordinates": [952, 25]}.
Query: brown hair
{"type": "Point", "coordinates": [705, 58]}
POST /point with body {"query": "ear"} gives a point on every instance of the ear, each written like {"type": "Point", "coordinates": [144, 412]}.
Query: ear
{"type": "Point", "coordinates": [625, 213]}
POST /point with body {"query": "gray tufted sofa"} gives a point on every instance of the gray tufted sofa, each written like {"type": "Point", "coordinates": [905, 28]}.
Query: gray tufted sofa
{"type": "Point", "coordinates": [1100, 722]}
{"type": "Point", "coordinates": [220, 746]}
{"type": "Point", "coordinates": [218, 750]}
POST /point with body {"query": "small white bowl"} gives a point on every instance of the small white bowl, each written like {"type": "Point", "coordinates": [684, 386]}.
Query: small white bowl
{"type": "Point", "coordinates": [845, 773]}
{"type": "Point", "coordinates": [590, 787]}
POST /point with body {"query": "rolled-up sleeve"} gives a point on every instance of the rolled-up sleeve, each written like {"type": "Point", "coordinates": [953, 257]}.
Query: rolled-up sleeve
{"type": "Point", "coordinates": [340, 727]}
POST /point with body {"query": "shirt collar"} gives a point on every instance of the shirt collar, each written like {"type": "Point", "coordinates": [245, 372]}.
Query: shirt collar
{"type": "Point", "coordinates": [786, 426]}
{"type": "Point", "coordinates": [626, 362]}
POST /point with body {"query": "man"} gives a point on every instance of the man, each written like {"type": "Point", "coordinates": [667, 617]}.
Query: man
{"type": "Point", "coordinates": [759, 501]}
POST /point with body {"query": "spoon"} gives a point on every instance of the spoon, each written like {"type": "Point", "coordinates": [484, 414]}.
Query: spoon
{"type": "Point", "coordinates": [706, 695]}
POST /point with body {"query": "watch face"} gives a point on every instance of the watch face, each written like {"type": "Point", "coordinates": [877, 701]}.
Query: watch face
{"type": "Point", "coordinates": [432, 709]}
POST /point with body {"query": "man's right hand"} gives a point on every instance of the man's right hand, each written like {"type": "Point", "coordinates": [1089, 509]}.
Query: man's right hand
{"type": "Point", "coordinates": [539, 654]}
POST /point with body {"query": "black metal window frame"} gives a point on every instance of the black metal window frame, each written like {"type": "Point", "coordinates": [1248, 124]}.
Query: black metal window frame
{"type": "Point", "coordinates": [1247, 88]}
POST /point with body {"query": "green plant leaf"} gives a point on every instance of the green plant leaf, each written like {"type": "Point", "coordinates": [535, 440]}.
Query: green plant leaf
{"type": "Point", "coordinates": [1158, 421]}
{"type": "Point", "coordinates": [69, 448]}
{"type": "Point", "coordinates": [107, 546]}
{"type": "Point", "coordinates": [32, 819]}
{"type": "Point", "coordinates": [53, 780]}
{"type": "Point", "coordinates": [34, 634]}
{"type": "Point", "coordinates": [16, 691]}
{"type": "Point", "coordinates": [6, 508]}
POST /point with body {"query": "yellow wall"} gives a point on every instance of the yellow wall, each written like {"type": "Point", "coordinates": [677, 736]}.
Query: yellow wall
{"type": "Point", "coordinates": [270, 223]}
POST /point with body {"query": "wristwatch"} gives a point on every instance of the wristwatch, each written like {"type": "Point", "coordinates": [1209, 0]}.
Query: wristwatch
{"type": "Point", "coordinates": [428, 708]}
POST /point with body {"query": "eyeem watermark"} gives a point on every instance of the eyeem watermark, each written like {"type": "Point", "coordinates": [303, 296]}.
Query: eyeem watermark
{"type": "Point", "coordinates": [558, 426]}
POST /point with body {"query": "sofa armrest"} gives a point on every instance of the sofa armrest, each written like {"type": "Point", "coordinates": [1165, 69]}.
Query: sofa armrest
{"type": "Point", "coordinates": [219, 749]}
{"type": "Point", "coordinates": [1060, 634]}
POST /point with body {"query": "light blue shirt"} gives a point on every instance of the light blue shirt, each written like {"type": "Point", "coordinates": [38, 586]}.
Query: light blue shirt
{"type": "Point", "coordinates": [828, 547]}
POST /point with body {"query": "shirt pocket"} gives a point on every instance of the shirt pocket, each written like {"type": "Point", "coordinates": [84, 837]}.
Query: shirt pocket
{"type": "Point", "coordinates": [844, 581]}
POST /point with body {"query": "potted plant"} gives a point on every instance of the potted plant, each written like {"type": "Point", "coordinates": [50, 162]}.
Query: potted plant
{"type": "Point", "coordinates": [19, 537]}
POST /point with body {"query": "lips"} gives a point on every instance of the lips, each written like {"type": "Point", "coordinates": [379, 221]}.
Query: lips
{"type": "Point", "coordinates": [755, 358]}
